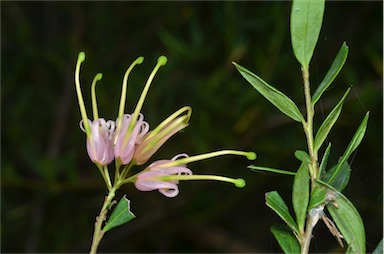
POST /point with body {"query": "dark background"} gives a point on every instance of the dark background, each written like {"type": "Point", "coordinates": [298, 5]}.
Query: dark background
{"type": "Point", "coordinates": [51, 192]}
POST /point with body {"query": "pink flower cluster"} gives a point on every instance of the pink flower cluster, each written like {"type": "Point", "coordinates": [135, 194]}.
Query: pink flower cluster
{"type": "Point", "coordinates": [106, 143]}
{"type": "Point", "coordinates": [129, 141]}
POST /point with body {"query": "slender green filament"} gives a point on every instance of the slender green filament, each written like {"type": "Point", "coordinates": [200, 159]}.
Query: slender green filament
{"type": "Point", "coordinates": [123, 97]}
{"type": "Point", "coordinates": [172, 118]}
{"type": "Point", "coordinates": [239, 182]}
{"type": "Point", "coordinates": [160, 135]}
{"type": "Point", "coordinates": [249, 155]}
{"type": "Point", "coordinates": [98, 77]}
{"type": "Point", "coordinates": [162, 60]}
{"type": "Point", "coordinates": [80, 59]}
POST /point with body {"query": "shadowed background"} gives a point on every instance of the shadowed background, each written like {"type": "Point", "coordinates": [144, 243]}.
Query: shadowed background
{"type": "Point", "coordinates": [50, 190]}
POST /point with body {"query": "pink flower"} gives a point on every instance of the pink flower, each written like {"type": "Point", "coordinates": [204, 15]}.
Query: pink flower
{"type": "Point", "coordinates": [125, 140]}
{"type": "Point", "coordinates": [152, 178]}
{"type": "Point", "coordinates": [164, 175]}
{"type": "Point", "coordinates": [99, 145]}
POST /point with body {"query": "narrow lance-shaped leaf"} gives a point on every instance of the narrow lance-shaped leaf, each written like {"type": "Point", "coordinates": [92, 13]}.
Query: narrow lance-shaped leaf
{"type": "Point", "coordinates": [355, 142]}
{"type": "Point", "coordinates": [324, 160]}
{"type": "Point", "coordinates": [318, 197]}
{"type": "Point", "coordinates": [272, 170]}
{"type": "Point", "coordinates": [306, 21]}
{"type": "Point", "coordinates": [277, 204]}
{"type": "Point", "coordinates": [120, 215]}
{"type": "Point", "coordinates": [286, 239]}
{"type": "Point", "coordinates": [300, 195]}
{"type": "Point", "coordinates": [347, 220]}
{"type": "Point", "coordinates": [336, 66]}
{"type": "Point", "coordinates": [277, 98]}
{"type": "Point", "coordinates": [328, 123]}
{"type": "Point", "coordinates": [340, 180]}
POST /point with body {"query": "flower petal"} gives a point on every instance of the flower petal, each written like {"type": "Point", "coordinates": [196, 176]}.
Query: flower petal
{"type": "Point", "coordinates": [99, 146]}
{"type": "Point", "coordinates": [125, 146]}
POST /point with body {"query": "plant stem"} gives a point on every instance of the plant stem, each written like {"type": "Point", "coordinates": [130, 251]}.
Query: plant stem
{"type": "Point", "coordinates": [98, 233]}
{"type": "Point", "coordinates": [306, 240]}
{"type": "Point", "coordinates": [308, 127]}
{"type": "Point", "coordinates": [313, 165]}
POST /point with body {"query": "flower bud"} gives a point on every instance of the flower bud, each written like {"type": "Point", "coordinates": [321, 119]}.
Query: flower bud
{"type": "Point", "coordinates": [99, 145]}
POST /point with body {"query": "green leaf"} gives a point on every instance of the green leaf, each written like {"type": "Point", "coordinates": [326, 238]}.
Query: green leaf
{"type": "Point", "coordinates": [277, 204]}
{"type": "Point", "coordinates": [348, 221]}
{"type": "Point", "coordinates": [300, 195]}
{"type": "Point", "coordinates": [379, 248]}
{"type": "Point", "coordinates": [306, 21]}
{"type": "Point", "coordinates": [273, 170]}
{"type": "Point", "coordinates": [286, 239]}
{"type": "Point", "coordinates": [301, 155]}
{"type": "Point", "coordinates": [318, 197]}
{"type": "Point", "coordinates": [328, 123]}
{"type": "Point", "coordinates": [336, 66]}
{"type": "Point", "coordinates": [355, 142]}
{"type": "Point", "coordinates": [341, 179]}
{"type": "Point", "coordinates": [324, 160]}
{"type": "Point", "coordinates": [277, 98]}
{"type": "Point", "coordinates": [120, 215]}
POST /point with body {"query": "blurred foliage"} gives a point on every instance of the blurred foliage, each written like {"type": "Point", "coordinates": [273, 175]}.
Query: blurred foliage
{"type": "Point", "coordinates": [51, 192]}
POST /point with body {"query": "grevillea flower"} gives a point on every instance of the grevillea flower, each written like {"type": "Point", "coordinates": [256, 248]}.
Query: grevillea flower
{"type": "Point", "coordinates": [164, 175]}
{"type": "Point", "coordinates": [99, 145]}
{"type": "Point", "coordinates": [99, 132]}
{"type": "Point", "coordinates": [151, 179]}
{"type": "Point", "coordinates": [153, 140]}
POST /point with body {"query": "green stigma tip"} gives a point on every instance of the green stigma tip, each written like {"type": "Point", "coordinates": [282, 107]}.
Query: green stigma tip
{"type": "Point", "coordinates": [81, 56]}
{"type": "Point", "coordinates": [162, 60]}
{"type": "Point", "coordinates": [251, 156]}
{"type": "Point", "coordinates": [240, 183]}
{"type": "Point", "coordinates": [99, 76]}
{"type": "Point", "coordinates": [139, 60]}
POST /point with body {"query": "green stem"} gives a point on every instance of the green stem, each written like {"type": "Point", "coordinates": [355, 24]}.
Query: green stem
{"type": "Point", "coordinates": [306, 237]}
{"type": "Point", "coordinates": [125, 171]}
{"type": "Point", "coordinates": [308, 127]}
{"type": "Point", "coordinates": [306, 240]}
{"type": "Point", "coordinates": [99, 233]}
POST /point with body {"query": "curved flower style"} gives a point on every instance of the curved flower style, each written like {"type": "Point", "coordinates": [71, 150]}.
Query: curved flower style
{"type": "Point", "coordinates": [164, 175]}
{"type": "Point", "coordinates": [151, 179]}
{"type": "Point", "coordinates": [153, 140]}
{"type": "Point", "coordinates": [125, 142]}
{"type": "Point", "coordinates": [131, 129]}
{"type": "Point", "coordinates": [99, 145]}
